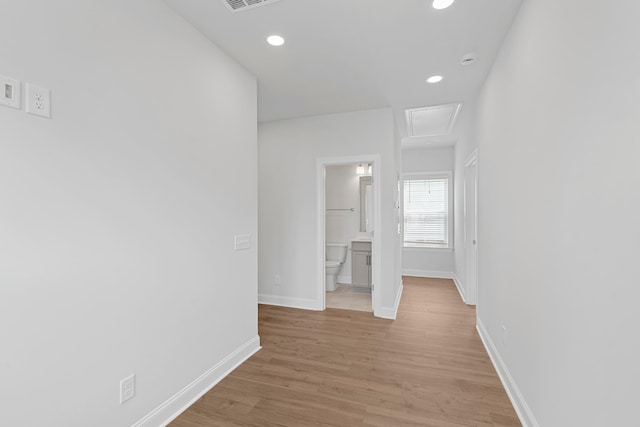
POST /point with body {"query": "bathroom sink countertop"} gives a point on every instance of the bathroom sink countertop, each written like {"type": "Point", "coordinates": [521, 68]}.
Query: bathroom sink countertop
{"type": "Point", "coordinates": [361, 239]}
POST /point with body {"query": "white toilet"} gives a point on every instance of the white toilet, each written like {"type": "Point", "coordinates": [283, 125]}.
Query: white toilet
{"type": "Point", "coordinates": [335, 254]}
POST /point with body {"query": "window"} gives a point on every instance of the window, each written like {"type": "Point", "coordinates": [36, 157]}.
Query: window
{"type": "Point", "coordinates": [426, 210]}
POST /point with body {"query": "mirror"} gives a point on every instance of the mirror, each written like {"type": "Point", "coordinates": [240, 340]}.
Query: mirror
{"type": "Point", "coordinates": [366, 204]}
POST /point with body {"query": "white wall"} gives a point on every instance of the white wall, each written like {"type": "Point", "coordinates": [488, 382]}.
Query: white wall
{"type": "Point", "coordinates": [117, 215]}
{"type": "Point", "coordinates": [342, 189]}
{"type": "Point", "coordinates": [287, 154]}
{"type": "Point", "coordinates": [559, 208]}
{"type": "Point", "coordinates": [434, 159]}
{"type": "Point", "coordinates": [427, 262]}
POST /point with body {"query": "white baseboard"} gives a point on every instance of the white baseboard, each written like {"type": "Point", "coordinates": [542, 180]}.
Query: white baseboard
{"type": "Point", "coordinates": [517, 400]}
{"type": "Point", "coordinates": [460, 288]}
{"type": "Point", "coordinates": [433, 274]}
{"type": "Point", "coordinates": [391, 312]}
{"type": "Point", "coordinates": [303, 303]}
{"type": "Point", "coordinates": [345, 280]}
{"type": "Point", "coordinates": [179, 402]}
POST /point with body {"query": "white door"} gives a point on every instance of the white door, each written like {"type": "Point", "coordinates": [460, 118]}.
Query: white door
{"type": "Point", "coordinates": [471, 225]}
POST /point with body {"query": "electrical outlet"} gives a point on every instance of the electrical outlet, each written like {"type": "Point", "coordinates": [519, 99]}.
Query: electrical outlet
{"type": "Point", "coordinates": [278, 280]}
{"type": "Point", "coordinates": [10, 92]}
{"type": "Point", "coordinates": [242, 242]}
{"type": "Point", "coordinates": [127, 388]}
{"type": "Point", "coordinates": [38, 101]}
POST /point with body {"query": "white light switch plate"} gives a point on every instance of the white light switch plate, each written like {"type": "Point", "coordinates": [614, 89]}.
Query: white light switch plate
{"type": "Point", "coordinates": [127, 388]}
{"type": "Point", "coordinates": [38, 101]}
{"type": "Point", "coordinates": [10, 92]}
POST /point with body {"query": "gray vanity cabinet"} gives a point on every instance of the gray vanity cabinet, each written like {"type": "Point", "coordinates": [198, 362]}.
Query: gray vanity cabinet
{"type": "Point", "coordinates": [361, 264]}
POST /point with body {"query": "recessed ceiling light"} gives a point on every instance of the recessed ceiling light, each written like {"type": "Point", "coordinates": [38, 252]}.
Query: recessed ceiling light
{"type": "Point", "coordinates": [275, 40]}
{"type": "Point", "coordinates": [442, 4]}
{"type": "Point", "coordinates": [434, 79]}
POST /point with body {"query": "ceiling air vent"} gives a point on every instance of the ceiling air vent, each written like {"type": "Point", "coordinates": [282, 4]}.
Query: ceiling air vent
{"type": "Point", "coordinates": [432, 121]}
{"type": "Point", "coordinates": [468, 59]}
{"type": "Point", "coordinates": [242, 5]}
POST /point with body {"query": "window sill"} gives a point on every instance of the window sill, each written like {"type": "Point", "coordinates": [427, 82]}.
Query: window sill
{"type": "Point", "coordinates": [427, 248]}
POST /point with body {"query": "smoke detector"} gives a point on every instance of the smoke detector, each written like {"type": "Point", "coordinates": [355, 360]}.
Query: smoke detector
{"type": "Point", "coordinates": [242, 5]}
{"type": "Point", "coordinates": [468, 59]}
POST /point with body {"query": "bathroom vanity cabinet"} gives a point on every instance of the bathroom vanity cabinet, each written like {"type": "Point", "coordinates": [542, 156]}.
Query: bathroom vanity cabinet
{"type": "Point", "coordinates": [361, 264]}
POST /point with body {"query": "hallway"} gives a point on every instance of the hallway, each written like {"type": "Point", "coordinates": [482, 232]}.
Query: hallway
{"type": "Point", "coordinates": [347, 368]}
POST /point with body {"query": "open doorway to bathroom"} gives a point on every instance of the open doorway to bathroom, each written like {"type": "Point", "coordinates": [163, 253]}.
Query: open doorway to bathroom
{"type": "Point", "coordinates": [349, 218]}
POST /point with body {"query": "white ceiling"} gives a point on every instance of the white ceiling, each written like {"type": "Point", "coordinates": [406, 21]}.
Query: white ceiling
{"type": "Point", "coordinates": [346, 55]}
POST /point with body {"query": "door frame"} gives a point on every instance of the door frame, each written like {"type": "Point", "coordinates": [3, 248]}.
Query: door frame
{"type": "Point", "coordinates": [321, 165]}
{"type": "Point", "coordinates": [471, 214]}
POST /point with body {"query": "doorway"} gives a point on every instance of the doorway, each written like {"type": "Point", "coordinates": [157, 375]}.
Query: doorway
{"type": "Point", "coordinates": [348, 214]}
{"type": "Point", "coordinates": [471, 227]}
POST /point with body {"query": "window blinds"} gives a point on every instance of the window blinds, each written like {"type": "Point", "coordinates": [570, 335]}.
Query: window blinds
{"type": "Point", "coordinates": [426, 212]}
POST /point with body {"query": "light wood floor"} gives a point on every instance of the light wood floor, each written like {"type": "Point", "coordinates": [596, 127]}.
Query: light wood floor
{"type": "Point", "coordinates": [347, 368]}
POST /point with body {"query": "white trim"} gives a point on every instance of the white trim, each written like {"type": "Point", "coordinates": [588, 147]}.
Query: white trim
{"type": "Point", "coordinates": [460, 288]}
{"type": "Point", "coordinates": [447, 173]}
{"type": "Point", "coordinates": [517, 400]}
{"type": "Point", "coordinates": [321, 274]}
{"type": "Point", "coordinates": [408, 113]}
{"type": "Point", "coordinates": [376, 246]}
{"type": "Point", "coordinates": [291, 302]}
{"type": "Point", "coordinates": [391, 313]}
{"type": "Point", "coordinates": [432, 274]}
{"type": "Point", "coordinates": [471, 293]}
{"type": "Point", "coordinates": [426, 249]}
{"type": "Point", "coordinates": [450, 188]}
{"type": "Point", "coordinates": [182, 400]}
{"type": "Point", "coordinates": [472, 158]}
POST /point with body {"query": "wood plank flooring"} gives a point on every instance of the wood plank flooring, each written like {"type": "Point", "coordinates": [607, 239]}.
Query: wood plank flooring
{"type": "Point", "coordinates": [348, 368]}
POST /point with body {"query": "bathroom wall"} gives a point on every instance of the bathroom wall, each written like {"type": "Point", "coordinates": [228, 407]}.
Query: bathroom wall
{"type": "Point", "coordinates": [119, 212]}
{"type": "Point", "coordinates": [428, 262]}
{"type": "Point", "coordinates": [342, 189]}
{"type": "Point", "coordinates": [288, 241]}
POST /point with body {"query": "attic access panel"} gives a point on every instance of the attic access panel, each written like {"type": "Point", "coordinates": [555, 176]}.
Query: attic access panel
{"type": "Point", "coordinates": [432, 121]}
{"type": "Point", "coordinates": [242, 5]}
